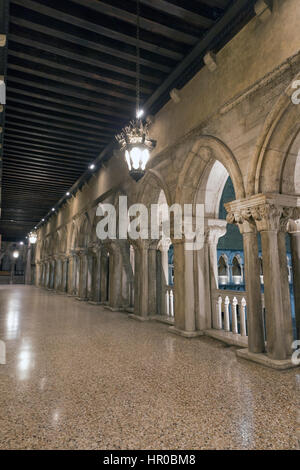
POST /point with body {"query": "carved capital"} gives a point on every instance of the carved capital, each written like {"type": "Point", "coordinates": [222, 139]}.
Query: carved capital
{"type": "Point", "coordinates": [164, 244]}
{"type": "Point", "coordinates": [216, 228]}
{"type": "Point", "coordinates": [243, 219]}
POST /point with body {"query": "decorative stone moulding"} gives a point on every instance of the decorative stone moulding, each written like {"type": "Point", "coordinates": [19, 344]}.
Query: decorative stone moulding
{"type": "Point", "coordinates": [2, 40]}
{"type": "Point", "coordinates": [210, 61]}
{"type": "Point", "coordinates": [175, 95]}
{"type": "Point", "coordinates": [266, 211]}
{"type": "Point", "coordinates": [263, 9]}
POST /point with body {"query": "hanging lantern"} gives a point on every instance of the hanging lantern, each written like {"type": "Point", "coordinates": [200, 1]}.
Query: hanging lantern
{"type": "Point", "coordinates": [133, 139]}
{"type": "Point", "coordinates": [32, 238]}
{"type": "Point", "coordinates": [136, 145]}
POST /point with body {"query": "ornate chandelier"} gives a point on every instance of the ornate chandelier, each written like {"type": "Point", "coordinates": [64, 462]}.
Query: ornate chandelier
{"type": "Point", "coordinates": [134, 139]}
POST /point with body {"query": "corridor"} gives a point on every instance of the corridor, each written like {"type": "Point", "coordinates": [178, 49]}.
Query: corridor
{"type": "Point", "coordinates": [82, 377]}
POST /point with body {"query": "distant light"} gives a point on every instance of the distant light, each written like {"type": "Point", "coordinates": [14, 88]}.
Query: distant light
{"type": "Point", "coordinates": [67, 193]}
{"type": "Point", "coordinates": [16, 254]}
{"type": "Point", "coordinates": [32, 238]}
{"type": "Point", "coordinates": [21, 243]}
{"type": "Point", "coordinates": [43, 220]}
{"type": "Point", "coordinates": [92, 166]}
{"type": "Point", "coordinates": [53, 209]}
{"type": "Point", "coordinates": [139, 113]}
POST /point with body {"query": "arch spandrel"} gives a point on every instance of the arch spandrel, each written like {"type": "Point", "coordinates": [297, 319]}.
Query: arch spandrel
{"type": "Point", "coordinates": [198, 164]}
{"type": "Point", "coordinates": [274, 145]}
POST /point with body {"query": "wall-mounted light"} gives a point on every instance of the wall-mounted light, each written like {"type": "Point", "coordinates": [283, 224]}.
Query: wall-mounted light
{"type": "Point", "coordinates": [16, 254]}
{"type": "Point", "coordinates": [91, 166]}
{"type": "Point", "coordinates": [32, 238]}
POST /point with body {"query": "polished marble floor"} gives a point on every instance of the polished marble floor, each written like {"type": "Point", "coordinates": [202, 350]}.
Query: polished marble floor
{"type": "Point", "coordinates": [81, 377]}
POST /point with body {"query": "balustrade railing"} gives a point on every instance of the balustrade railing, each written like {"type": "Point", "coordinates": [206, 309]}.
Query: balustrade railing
{"type": "Point", "coordinates": [230, 312]}
{"type": "Point", "coordinates": [169, 301]}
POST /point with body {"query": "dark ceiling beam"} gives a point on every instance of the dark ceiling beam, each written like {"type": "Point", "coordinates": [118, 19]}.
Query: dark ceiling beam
{"type": "Point", "coordinates": [71, 79]}
{"type": "Point", "coordinates": [115, 34]}
{"type": "Point", "coordinates": [44, 127]}
{"type": "Point", "coordinates": [45, 134]}
{"type": "Point", "coordinates": [23, 143]}
{"type": "Point", "coordinates": [61, 174]}
{"type": "Point", "coordinates": [117, 13]}
{"type": "Point", "coordinates": [47, 115]}
{"type": "Point", "coordinates": [50, 161]}
{"type": "Point", "coordinates": [55, 174]}
{"type": "Point", "coordinates": [72, 53]}
{"type": "Point", "coordinates": [49, 164]}
{"type": "Point", "coordinates": [59, 109]}
{"type": "Point", "coordinates": [179, 12]}
{"type": "Point", "coordinates": [17, 148]}
{"type": "Point", "coordinates": [199, 50]}
{"type": "Point", "coordinates": [215, 3]}
{"type": "Point", "coordinates": [19, 176]}
{"type": "Point", "coordinates": [66, 102]}
{"type": "Point", "coordinates": [99, 47]}
{"type": "Point", "coordinates": [73, 67]}
{"type": "Point", "coordinates": [22, 115]}
{"type": "Point", "coordinates": [42, 140]}
{"type": "Point", "coordinates": [59, 86]}
{"type": "Point", "coordinates": [28, 111]}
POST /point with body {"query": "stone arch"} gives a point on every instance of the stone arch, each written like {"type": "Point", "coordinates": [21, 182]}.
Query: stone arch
{"type": "Point", "coordinates": [73, 235]}
{"type": "Point", "coordinates": [199, 162]}
{"type": "Point", "coordinates": [274, 145]}
{"type": "Point", "coordinates": [153, 184]}
{"type": "Point", "coordinates": [84, 231]}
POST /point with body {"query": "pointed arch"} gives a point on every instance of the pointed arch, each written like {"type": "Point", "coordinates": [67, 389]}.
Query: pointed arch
{"type": "Point", "coordinates": [205, 152]}
{"type": "Point", "coordinates": [274, 145]}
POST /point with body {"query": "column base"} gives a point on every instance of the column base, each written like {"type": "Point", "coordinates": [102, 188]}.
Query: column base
{"type": "Point", "coordinates": [228, 337]}
{"type": "Point", "coordinates": [93, 302]}
{"type": "Point", "coordinates": [185, 334]}
{"type": "Point", "coordinates": [81, 299]}
{"type": "Point", "coordinates": [138, 317]}
{"type": "Point", "coordinates": [265, 360]}
{"type": "Point", "coordinates": [163, 319]}
{"type": "Point", "coordinates": [129, 309]}
{"type": "Point", "coordinates": [114, 309]}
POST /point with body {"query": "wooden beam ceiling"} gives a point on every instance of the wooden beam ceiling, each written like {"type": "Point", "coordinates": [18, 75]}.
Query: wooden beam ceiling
{"type": "Point", "coordinates": [70, 70]}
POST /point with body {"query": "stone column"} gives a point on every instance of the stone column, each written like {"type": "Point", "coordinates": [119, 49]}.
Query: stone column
{"type": "Point", "coordinates": [214, 230]}
{"type": "Point", "coordinates": [96, 276]}
{"type": "Point", "coordinates": [104, 276]}
{"type": "Point", "coordinates": [141, 280]}
{"type": "Point", "coordinates": [247, 227]}
{"type": "Point", "coordinates": [184, 290]}
{"type": "Point", "coordinates": [152, 304]}
{"type": "Point", "coordinates": [64, 283]}
{"type": "Point", "coordinates": [270, 219]}
{"type": "Point", "coordinates": [28, 266]}
{"type": "Point", "coordinates": [83, 263]}
{"type": "Point", "coordinates": [163, 247]}
{"type": "Point", "coordinates": [115, 277]}
{"type": "Point", "coordinates": [294, 233]}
